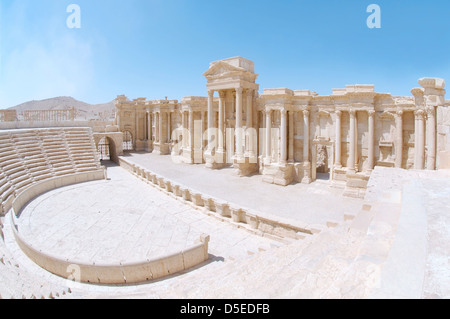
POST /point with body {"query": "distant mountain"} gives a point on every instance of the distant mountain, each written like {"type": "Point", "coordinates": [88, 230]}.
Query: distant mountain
{"type": "Point", "coordinates": [85, 111]}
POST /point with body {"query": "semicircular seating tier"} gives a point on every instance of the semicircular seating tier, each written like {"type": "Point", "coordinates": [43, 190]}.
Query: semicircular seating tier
{"type": "Point", "coordinates": [30, 156]}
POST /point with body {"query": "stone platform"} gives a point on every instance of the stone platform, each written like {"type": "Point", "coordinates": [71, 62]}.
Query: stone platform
{"type": "Point", "coordinates": [316, 204]}
{"type": "Point", "coordinates": [124, 220]}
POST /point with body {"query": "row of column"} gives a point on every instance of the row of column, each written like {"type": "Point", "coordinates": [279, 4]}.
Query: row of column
{"type": "Point", "coordinates": [353, 144]}
{"type": "Point", "coordinates": [50, 115]}
{"type": "Point", "coordinates": [157, 118]}
{"type": "Point", "coordinates": [419, 161]}
{"type": "Point", "coordinates": [422, 129]}
{"type": "Point", "coordinates": [190, 128]}
{"type": "Point", "coordinates": [249, 148]}
{"type": "Point", "coordinates": [286, 151]}
{"type": "Point", "coordinates": [427, 130]}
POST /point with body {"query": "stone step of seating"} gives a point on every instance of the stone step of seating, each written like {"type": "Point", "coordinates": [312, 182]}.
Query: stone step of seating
{"type": "Point", "coordinates": [7, 148]}
{"type": "Point", "coordinates": [7, 193]}
{"type": "Point", "coordinates": [29, 162]}
{"type": "Point", "coordinates": [5, 187]}
{"type": "Point", "coordinates": [9, 160]}
{"type": "Point", "coordinates": [12, 169]}
{"type": "Point", "coordinates": [57, 152]}
{"type": "Point", "coordinates": [3, 182]}
{"type": "Point", "coordinates": [63, 169]}
{"type": "Point", "coordinates": [19, 177]}
{"type": "Point", "coordinates": [38, 169]}
{"type": "Point", "coordinates": [23, 185]}
{"type": "Point", "coordinates": [29, 148]}
{"type": "Point", "coordinates": [25, 143]}
{"type": "Point", "coordinates": [60, 162]}
{"type": "Point", "coordinates": [52, 142]}
{"type": "Point", "coordinates": [43, 177]}
{"type": "Point", "coordinates": [83, 160]}
{"type": "Point", "coordinates": [65, 172]}
{"type": "Point", "coordinates": [86, 169]}
{"type": "Point", "coordinates": [57, 158]}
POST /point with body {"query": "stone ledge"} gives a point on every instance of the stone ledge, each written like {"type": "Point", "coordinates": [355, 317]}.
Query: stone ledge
{"type": "Point", "coordinates": [247, 218]}
{"type": "Point", "coordinates": [107, 273]}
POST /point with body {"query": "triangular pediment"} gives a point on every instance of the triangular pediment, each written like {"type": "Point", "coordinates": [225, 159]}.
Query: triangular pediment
{"type": "Point", "coordinates": [222, 68]}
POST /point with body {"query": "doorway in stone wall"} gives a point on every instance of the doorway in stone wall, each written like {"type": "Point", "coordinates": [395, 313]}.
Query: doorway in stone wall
{"type": "Point", "coordinates": [107, 150]}
{"type": "Point", "coordinates": [322, 160]}
{"type": "Point", "coordinates": [127, 141]}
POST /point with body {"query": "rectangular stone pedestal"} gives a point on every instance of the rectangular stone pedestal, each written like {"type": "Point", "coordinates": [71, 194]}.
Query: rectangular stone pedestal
{"type": "Point", "coordinates": [279, 174]}
{"type": "Point", "coordinates": [245, 165]}
{"type": "Point", "coordinates": [161, 149]}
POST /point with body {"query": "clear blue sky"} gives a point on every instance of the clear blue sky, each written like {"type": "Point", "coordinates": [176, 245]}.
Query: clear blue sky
{"type": "Point", "coordinates": [153, 49]}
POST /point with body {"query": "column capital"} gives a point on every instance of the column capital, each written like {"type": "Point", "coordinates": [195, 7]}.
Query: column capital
{"type": "Point", "coordinates": [352, 112]}
{"type": "Point", "coordinates": [371, 113]}
{"type": "Point", "coordinates": [283, 112]}
{"type": "Point", "coordinates": [399, 113]}
{"type": "Point", "coordinates": [419, 114]}
{"type": "Point", "coordinates": [338, 113]}
{"type": "Point", "coordinates": [268, 112]}
{"type": "Point", "coordinates": [211, 93]}
{"type": "Point", "coordinates": [431, 110]}
{"type": "Point", "coordinates": [239, 90]}
{"type": "Point", "coordinates": [306, 113]}
{"type": "Point", "coordinates": [222, 94]}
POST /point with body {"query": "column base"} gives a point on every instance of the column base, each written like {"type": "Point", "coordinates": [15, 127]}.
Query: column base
{"type": "Point", "coordinates": [278, 174]}
{"type": "Point", "coordinates": [161, 149]}
{"type": "Point", "coordinates": [246, 166]}
{"type": "Point", "coordinates": [149, 146]}
{"type": "Point", "coordinates": [214, 160]}
{"type": "Point", "coordinates": [307, 179]}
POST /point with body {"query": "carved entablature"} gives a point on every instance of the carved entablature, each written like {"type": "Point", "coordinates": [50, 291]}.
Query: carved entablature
{"type": "Point", "coordinates": [231, 73]}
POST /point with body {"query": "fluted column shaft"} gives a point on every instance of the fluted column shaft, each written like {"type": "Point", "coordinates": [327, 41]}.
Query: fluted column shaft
{"type": "Point", "coordinates": [283, 146]}
{"type": "Point", "coordinates": [306, 136]}
{"type": "Point", "coordinates": [371, 155]}
{"type": "Point", "coordinates": [338, 139]}
{"type": "Point", "coordinates": [239, 121]}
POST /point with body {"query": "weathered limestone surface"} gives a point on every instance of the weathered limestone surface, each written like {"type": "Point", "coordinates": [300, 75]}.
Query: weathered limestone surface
{"type": "Point", "coordinates": [293, 136]}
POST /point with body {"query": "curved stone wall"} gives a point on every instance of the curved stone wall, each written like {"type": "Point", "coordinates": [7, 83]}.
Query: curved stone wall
{"type": "Point", "coordinates": [97, 273]}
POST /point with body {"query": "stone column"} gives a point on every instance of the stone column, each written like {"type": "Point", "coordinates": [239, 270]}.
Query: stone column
{"type": "Point", "coordinates": [191, 130]}
{"type": "Point", "coordinates": [239, 122]}
{"type": "Point", "coordinates": [419, 162]}
{"type": "Point", "coordinates": [306, 137]}
{"type": "Point", "coordinates": [291, 137]}
{"type": "Point", "coordinates": [399, 139]}
{"type": "Point", "coordinates": [160, 128]}
{"type": "Point", "coordinates": [249, 149]}
{"type": "Point", "coordinates": [352, 146]}
{"type": "Point", "coordinates": [136, 123]}
{"type": "Point", "coordinates": [263, 151]}
{"type": "Point", "coordinates": [169, 133]}
{"type": "Point", "coordinates": [202, 130]}
{"type": "Point", "coordinates": [149, 119]}
{"type": "Point", "coordinates": [221, 132]}
{"type": "Point", "coordinates": [210, 118]}
{"type": "Point", "coordinates": [431, 138]}
{"type": "Point", "coordinates": [371, 155]}
{"type": "Point", "coordinates": [183, 123]}
{"type": "Point", "coordinates": [338, 140]}
{"type": "Point", "coordinates": [283, 145]}
{"type": "Point", "coordinates": [249, 96]}
{"type": "Point", "coordinates": [268, 136]}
